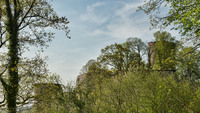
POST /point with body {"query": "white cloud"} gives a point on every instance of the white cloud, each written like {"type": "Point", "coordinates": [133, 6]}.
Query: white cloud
{"type": "Point", "coordinates": [127, 9]}
{"type": "Point", "coordinates": [93, 17]}
{"type": "Point", "coordinates": [128, 23]}
{"type": "Point", "coordinates": [124, 22]}
{"type": "Point", "coordinates": [90, 8]}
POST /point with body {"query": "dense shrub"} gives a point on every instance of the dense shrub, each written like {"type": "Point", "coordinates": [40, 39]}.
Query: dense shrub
{"type": "Point", "coordinates": [136, 91]}
{"type": "Point", "coordinates": [145, 92]}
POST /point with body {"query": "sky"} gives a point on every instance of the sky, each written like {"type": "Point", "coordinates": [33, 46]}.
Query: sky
{"type": "Point", "coordinates": [94, 24]}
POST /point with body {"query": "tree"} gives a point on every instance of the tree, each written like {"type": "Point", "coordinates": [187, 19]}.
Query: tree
{"type": "Point", "coordinates": [24, 22]}
{"type": "Point", "coordinates": [165, 50]}
{"type": "Point", "coordinates": [118, 57]}
{"type": "Point", "coordinates": [94, 72]}
{"type": "Point", "coordinates": [137, 45]}
{"type": "Point", "coordinates": [86, 67]}
{"type": "Point", "coordinates": [188, 63]}
{"type": "Point", "coordinates": [121, 57]}
{"type": "Point", "coordinates": [143, 91]}
{"type": "Point", "coordinates": [184, 14]}
{"type": "Point", "coordinates": [31, 72]}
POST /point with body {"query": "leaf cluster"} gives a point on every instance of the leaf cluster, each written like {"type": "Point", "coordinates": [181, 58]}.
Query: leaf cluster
{"type": "Point", "coordinates": [183, 14]}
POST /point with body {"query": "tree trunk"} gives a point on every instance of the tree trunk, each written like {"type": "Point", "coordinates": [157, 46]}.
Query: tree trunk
{"type": "Point", "coordinates": [13, 59]}
{"type": "Point", "coordinates": [13, 68]}
{"type": "Point", "coordinates": [13, 74]}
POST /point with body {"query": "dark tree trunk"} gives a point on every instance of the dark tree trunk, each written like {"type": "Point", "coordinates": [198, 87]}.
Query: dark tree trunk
{"type": "Point", "coordinates": [13, 58]}
{"type": "Point", "coordinates": [13, 74]}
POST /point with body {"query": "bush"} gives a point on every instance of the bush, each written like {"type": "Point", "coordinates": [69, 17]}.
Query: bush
{"type": "Point", "coordinates": [137, 91]}
{"type": "Point", "coordinates": [145, 92]}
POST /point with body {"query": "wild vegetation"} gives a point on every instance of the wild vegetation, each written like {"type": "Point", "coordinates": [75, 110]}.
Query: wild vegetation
{"type": "Point", "coordinates": [23, 23]}
{"type": "Point", "coordinates": [134, 86]}
{"type": "Point", "coordinates": [120, 80]}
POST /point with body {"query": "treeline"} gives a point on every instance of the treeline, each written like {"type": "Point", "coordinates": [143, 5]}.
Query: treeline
{"type": "Point", "coordinates": [164, 54]}
{"type": "Point", "coordinates": [121, 80]}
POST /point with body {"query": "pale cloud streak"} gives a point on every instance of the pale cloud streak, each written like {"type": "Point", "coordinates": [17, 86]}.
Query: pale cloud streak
{"type": "Point", "coordinates": [128, 22]}
{"type": "Point", "coordinates": [125, 21]}
{"type": "Point", "coordinates": [91, 16]}
{"type": "Point", "coordinates": [127, 10]}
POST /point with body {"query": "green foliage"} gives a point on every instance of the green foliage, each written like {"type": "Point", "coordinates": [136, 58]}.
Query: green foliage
{"type": "Point", "coordinates": [95, 68]}
{"type": "Point", "coordinates": [143, 91]}
{"type": "Point", "coordinates": [165, 50]}
{"type": "Point", "coordinates": [137, 45]}
{"type": "Point", "coordinates": [115, 59]}
{"type": "Point", "coordinates": [189, 63]}
{"type": "Point", "coordinates": [121, 57]}
{"type": "Point", "coordinates": [184, 14]}
{"type": "Point", "coordinates": [24, 22]}
{"type": "Point", "coordinates": [134, 89]}
{"type": "Point", "coordinates": [31, 71]}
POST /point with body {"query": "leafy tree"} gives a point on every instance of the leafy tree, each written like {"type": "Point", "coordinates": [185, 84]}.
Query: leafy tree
{"type": "Point", "coordinates": [144, 91]}
{"type": "Point", "coordinates": [24, 22]}
{"type": "Point", "coordinates": [188, 63]}
{"type": "Point", "coordinates": [165, 50]}
{"type": "Point", "coordinates": [184, 14]}
{"type": "Point", "coordinates": [119, 58]}
{"type": "Point", "coordinates": [92, 69]}
{"type": "Point", "coordinates": [85, 68]}
{"type": "Point", "coordinates": [97, 69]}
{"type": "Point", "coordinates": [31, 71]}
{"type": "Point", "coordinates": [94, 74]}
{"type": "Point", "coordinates": [137, 45]}
{"type": "Point", "coordinates": [115, 59]}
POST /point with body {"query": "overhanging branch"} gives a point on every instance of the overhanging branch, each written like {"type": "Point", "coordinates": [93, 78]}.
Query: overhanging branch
{"type": "Point", "coordinates": [32, 4]}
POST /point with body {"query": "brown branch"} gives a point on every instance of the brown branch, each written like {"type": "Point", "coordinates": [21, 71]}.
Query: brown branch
{"type": "Point", "coordinates": [8, 9]}
{"type": "Point", "coordinates": [2, 43]}
{"type": "Point", "coordinates": [5, 85]}
{"type": "Point", "coordinates": [1, 39]}
{"type": "Point", "coordinates": [4, 98]}
{"type": "Point", "coordinates": [15, 9]}
{"type": "Point", "coordinates": [191, 51]}
{"type": "Point", "coordinates": [3, 105]}
{"type": "Point", "coordinates": [25, 100]}
{"type": "Point", "coordinates": [27, 23]}
{"type": "Point", "coordinates": [32, 4]}
{"type": "Point", "coordinates": [2, 33]}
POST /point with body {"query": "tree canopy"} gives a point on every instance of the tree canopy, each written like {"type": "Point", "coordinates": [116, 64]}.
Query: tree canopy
{"type": "Point", "coordinates": [121, 57]}
{"type": "Point", "coordinates": [184, 14]}
{"type": "Point", "coordinates": [117, 59]}
{"type": "Point", "coordinates": [189, 63]}
{"type": "Point", "coordinates": [24, 22]}
{"type": "Point", "coordinates": [165, 50]}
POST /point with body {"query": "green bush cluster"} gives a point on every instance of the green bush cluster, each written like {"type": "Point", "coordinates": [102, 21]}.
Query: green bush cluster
{"type": "Point", "coordinates": [145, 92]}
{"type": "Point", "coordinates": [135, 92]}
